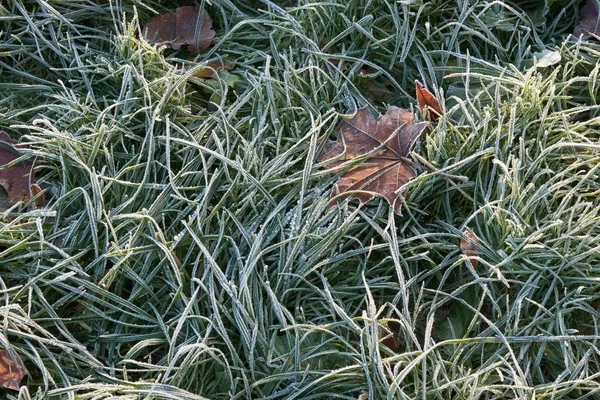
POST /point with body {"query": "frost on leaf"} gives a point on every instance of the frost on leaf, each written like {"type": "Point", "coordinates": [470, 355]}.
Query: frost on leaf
{"type": "Point", "coordinates": [183, 27]}
{"type": "Point", "coordinates": [384, 142]}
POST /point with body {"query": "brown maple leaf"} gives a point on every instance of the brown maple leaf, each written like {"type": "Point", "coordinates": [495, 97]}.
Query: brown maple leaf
{"type": "Point", "coordinates": [590, 24]}
{"type": "Point", "coordinates": [10, 372]}
{"type": "Point", "coordinates": [427, 102]}
{"type": "Point", "coordinates": [15, 178]}
{"type": "Point", "coordinates": [386, 141]}
{"type": "Point", "coordinates": [179, 28]}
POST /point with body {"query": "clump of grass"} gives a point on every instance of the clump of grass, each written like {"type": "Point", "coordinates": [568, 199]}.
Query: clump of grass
{"type": "Point", "coordinates": [188, 250]}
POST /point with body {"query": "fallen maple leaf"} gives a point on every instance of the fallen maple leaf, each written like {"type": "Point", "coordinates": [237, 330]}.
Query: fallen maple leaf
{"type": "Point", "coordinates": [386, 140]}
{"type": "Point", "coordinates": [10, 373]}
{"type": "Point", "coordinates": [15, 179]}
{"type": "Point", "coordinates": [179, 28]}
{"type": "Point", "coordinates": [589, 24]}
{"type": "Point", "coordinates": [427, 101]}
{"type": "Point", "coordinates": [468, 245]}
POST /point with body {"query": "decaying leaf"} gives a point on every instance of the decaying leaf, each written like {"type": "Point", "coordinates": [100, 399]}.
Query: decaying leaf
{"type": "Point", "coordinates": [15, 179]}
{"type": "Point", "coordinates": [214, 66]}
{"type": "Point", "coordinates": [391, 333]}
{"type": "Point", "coordinates": [386, 141]}
{"type": "Point", "coordinates": [180, 28]}
{"type": "Point", "coordinates": [427, 101]}
{"type": "Point", "coordinates": [590, 23]}
{"type": "Point", "coordinates": [468, 245]}
{"type": "Point", "coordinates": [35, 190]}
{"type": "Point", "coordinates": [215, 86]}
{"type": "Point", "coordinates": [10, 372]}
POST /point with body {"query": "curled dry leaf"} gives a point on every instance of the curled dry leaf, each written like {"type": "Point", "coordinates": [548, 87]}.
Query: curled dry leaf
{"type": "Point", "coordinates": [386, 141]}
{"type": "Point", "coordinates": [10, 373]}
{"type": "Point", "coordinates": [468, 245]}
{"type": "Point", "coordinates": [590, 24]}
{"type": "Point", "coordinates": [427, 101]}
{"type": "Point", "coordinates": [35, 190]}
{"type": "Point", "coordinates": [15, 179]}
{"type": "Point", "coordinates": [179, 28]}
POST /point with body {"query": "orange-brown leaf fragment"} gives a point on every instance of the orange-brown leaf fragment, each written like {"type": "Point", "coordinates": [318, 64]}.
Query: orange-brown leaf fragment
{"type": "Point", "coordinates": [427, 100]}
{"type": "Point", "coordinates": [10, 373]}
{"type": "Point", "coordinates": [15, 178]}
{"type": "Point", "coordinates": [183, 27]}
{"type": "Point", "coordinates": [386, 141]}
{"type": "Point", "coordinates": [208, 71]}
{"type": "Point", "coordinates": [468, 245]}
{"type": "Point", "coordinates": [35, 190]}
{"type": "Point", "coordinates": [590, 23]}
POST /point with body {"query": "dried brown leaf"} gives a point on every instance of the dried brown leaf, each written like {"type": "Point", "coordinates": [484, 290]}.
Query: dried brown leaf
{"type": "Point", "coordinates": [589, 24]}
{"type": "Point", "coordinates": [386, 140]}
{"type": "Point", "coordinates": [427, 101]}
{"type": "Point", "coordinates": [468, 245]}
{"type": "Point", "coordinates": [208, 71]}
{"type": "Point", "coordinates": [15, 178]}
{"type": "Point", "coordinates": [35, 190]}
{"type": "Point", "coordinates": [179, 28]}
{"type": "Point", "coordinates": [10, 372]}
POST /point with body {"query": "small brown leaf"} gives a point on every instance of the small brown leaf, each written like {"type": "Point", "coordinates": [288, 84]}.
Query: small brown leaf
{"type": "Point", "coordinates": [10, 373]}
{"type": "Point", "coordinates": [427, 100]}
{"type": "Point", "coordinates": [208, 71]}
{"type": "Point", "coordinates": [387, 141]}
{"type": "Point", "coordinates": [39, 201]}
{"type": "Point", "coordinates": [14, 179]}
{"type": "Point", "coordinates": [590, 24]}
{"type": "Point", "coordinates": [468, 245]}
{"type": "Point", "coordinates": [179, 28]}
